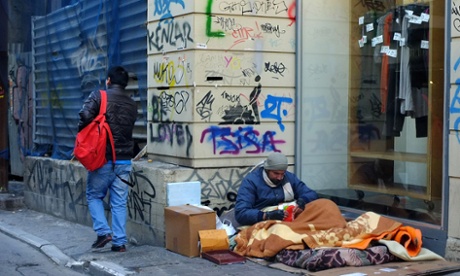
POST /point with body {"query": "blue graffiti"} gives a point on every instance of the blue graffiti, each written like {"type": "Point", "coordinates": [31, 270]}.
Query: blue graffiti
{"type": "Point", "coordinates": [273, 109]}
{"type": "Point", "coordinates": [163, 7]}
{"type": "Point", "coordinates": [455, 105]}
{"type": "Point", "coordinates": [226, 141]}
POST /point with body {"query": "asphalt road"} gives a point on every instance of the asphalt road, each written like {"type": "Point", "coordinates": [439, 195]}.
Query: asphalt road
{"type": "Point", "coordinates": [20, 259]}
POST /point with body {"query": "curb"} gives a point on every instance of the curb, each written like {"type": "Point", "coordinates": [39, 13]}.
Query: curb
{"type": "Point", "coordinates": [50, 250]}
{"type": "Point", "coordinates": [99, 268]}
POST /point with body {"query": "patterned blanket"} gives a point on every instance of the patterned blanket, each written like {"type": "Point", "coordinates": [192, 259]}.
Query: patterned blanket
{"type": "Point", "coordinates": [321, 224]}
{"type": "Point", "coordinates": [321, 259]}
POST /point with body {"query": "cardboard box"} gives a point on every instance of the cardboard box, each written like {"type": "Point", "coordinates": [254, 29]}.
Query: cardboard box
{"type": "Point", "coordinates": [213, 240]}
{"type": "Point", "coordinates": [182, 224]}
{"type": "Point", "coordinates": [215, 247]}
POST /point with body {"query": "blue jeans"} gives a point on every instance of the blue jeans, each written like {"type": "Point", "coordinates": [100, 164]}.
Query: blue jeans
{"type": "Point", "coordinates": [99, 183]}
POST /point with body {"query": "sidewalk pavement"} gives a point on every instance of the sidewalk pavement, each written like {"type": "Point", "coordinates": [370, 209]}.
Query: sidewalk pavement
{"type": "Point", "coordinates": [69, 244]}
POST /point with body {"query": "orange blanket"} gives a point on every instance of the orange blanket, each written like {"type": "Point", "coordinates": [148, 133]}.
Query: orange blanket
{"type": "Point", "coordinates": [321, 224]}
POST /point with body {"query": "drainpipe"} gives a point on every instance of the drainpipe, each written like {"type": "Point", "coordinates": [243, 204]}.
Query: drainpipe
{"type": "Point", "coordinates": [4, 149]}
{"type": "Point", "coordinates": [4, 152]}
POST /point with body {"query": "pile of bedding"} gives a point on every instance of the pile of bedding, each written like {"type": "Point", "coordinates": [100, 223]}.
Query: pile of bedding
{"type": "Point", "coordinates": [320, 238]}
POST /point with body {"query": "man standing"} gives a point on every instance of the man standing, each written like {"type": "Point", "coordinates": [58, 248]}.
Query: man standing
{"type": "Point", "coordinates": [121, 115]}
{"type": "Point", "coordinates": [269, 185]}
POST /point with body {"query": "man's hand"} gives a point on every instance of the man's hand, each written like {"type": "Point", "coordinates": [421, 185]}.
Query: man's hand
{"type": "Point", "coordinates": [300, 206]}
{"type": "Point", "coordinates": [275, 215]}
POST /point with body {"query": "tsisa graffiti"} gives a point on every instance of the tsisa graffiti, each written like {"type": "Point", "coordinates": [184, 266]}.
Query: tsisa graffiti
{"type": "Point", "coordinates": [226, 141]}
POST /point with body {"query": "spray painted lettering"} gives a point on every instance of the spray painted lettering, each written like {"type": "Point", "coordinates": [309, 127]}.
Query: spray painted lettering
{"type": "Point", "coordinates": [226, 141]}
{"type": "Point", "coordinates": [273, 109]}
{"type": "Point", "coordinates": [170, 33]}
{"type": "Point", "coordinates": [172, 133]}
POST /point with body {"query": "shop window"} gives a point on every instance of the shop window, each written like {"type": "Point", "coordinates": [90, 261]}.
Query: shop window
{"type": "Point", "coordinates": [391, 77]}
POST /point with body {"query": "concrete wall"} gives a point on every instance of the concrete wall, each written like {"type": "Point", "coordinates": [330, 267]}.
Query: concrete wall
{"type": "Point", "coordinates": [221, 78]}
{"type": "Point", "coordinates": [57, 187]}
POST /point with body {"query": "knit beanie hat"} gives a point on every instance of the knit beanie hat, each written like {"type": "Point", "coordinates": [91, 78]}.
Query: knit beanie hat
{"type": "Point", "coordinates": [276, 162]}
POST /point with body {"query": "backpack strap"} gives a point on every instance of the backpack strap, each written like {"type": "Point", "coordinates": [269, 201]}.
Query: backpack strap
{"type": "Point", "coordinates": [102, 111]}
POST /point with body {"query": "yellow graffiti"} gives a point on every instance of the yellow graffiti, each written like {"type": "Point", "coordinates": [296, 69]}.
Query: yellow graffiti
{"type": "Point", "coordinates": [169, 73]}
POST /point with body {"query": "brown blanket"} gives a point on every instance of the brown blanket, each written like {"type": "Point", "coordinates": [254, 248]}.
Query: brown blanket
{"type": "Point", "coordinates": [321, 224]}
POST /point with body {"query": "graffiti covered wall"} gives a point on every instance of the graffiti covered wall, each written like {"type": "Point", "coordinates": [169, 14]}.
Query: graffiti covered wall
{"type": "Point", "coordinates": [221, 79]}
{"type": "Point", "coordinates": [58, 187]}
{"type": "Point", "coordinates": [454, 121]}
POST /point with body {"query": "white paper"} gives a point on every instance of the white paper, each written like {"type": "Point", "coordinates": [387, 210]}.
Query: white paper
{"type": "Point", "coordinates": [377, 40]}
{"type": "Point", "coordinates": [369, 27]}
{"type": "Point", "coordinates": [202, 45]}
{"type": "Point", "coordinates": [402, 42]}
{"type": "Point", "coordinates": [392, 53]}
{"type": "Point", "coordinates": [415, 20]}
{"type": "Point", "coordinates": [425, 17]}
{"type": "Point", "coordinates": [425, 44]}
{"type": "Point", "coordinates": [384, 49]}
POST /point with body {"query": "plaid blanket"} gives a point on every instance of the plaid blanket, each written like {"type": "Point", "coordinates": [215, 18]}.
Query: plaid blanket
{"type": "Point", "coordinates": [321, 224]}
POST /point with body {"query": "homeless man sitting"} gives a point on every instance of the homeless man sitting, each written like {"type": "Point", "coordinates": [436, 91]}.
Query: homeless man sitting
{"type": "Point", "coordinates": [268, 185]}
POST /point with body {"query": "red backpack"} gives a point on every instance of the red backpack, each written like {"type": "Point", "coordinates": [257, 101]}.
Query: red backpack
{"type": "Point", "coordinates": [91, 141]}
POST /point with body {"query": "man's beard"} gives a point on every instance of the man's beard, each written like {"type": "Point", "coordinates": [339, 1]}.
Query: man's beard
{"type": "Point", "coordinates": [276, 181]}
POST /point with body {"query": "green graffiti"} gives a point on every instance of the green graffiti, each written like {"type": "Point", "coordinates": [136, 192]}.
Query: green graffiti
{"type": "Point", "coordinates": [209, 22]}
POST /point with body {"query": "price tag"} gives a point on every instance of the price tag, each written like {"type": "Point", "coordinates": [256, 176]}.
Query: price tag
{"type": "Point", "coordinates": [377, 40]}
{"type": "Point", "coordinates": [415, 20]}
{"type": "Point", "coordinates": [361, 20]}
{"type": "Point", "coordinates": [384, 49]}
{"type": "Point", "coordinates": [425, 44]}
{"type": "Point", "coordinates": [402, 42]}
{"type": "Point", "coordinates": [397, 36]}
{"type": "Point", "coordinates": [425, 17]}
{"type": "Point", "coordinates": [392, 53]}
{"type": "Point", "coordinates": [369, 27]}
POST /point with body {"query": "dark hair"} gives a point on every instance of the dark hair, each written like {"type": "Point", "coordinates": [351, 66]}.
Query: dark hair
{"type": "Point", "coordinates": [118, 75]}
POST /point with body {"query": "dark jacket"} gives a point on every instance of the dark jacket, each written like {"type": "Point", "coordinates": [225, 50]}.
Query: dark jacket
{"type": "Point", "coordinates": [121, 115]}
{"type": "Point", "coordinates": [254, 194]}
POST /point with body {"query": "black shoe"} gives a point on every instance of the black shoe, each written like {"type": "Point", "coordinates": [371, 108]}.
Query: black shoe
{"type": "Point", "coordinates": [117, 248]}
{"type": "Point", "coordinates": [102, 241]}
